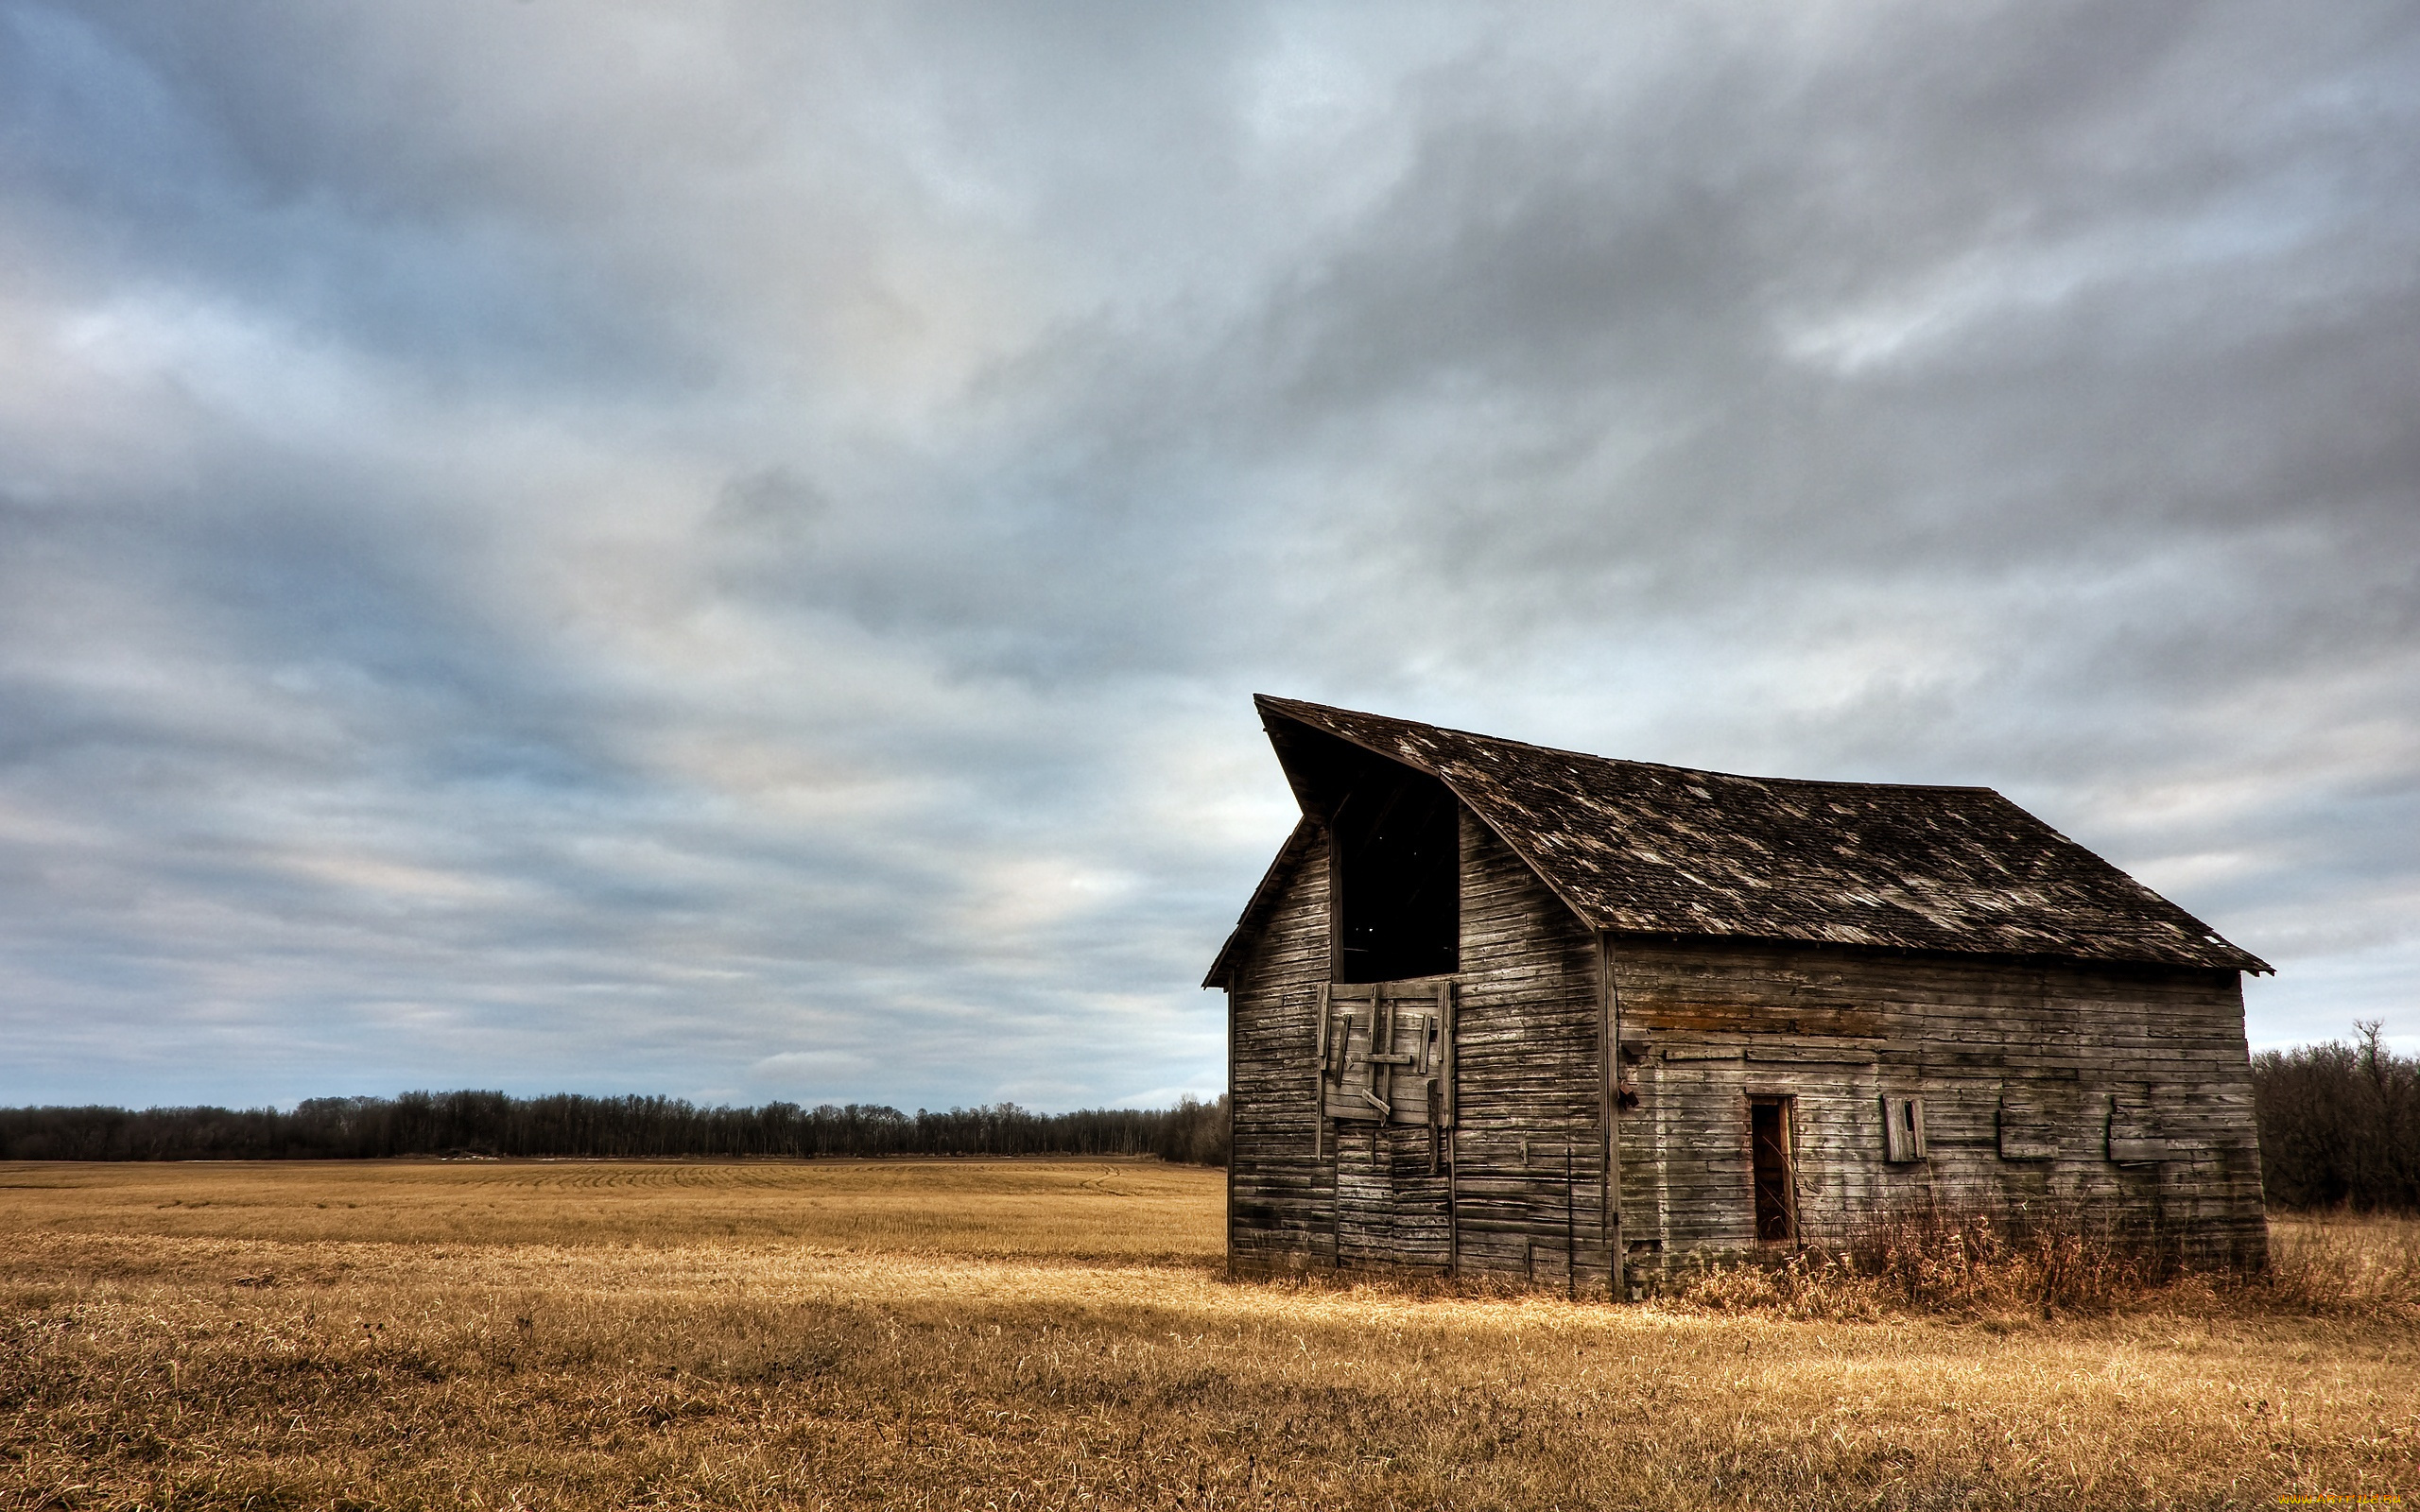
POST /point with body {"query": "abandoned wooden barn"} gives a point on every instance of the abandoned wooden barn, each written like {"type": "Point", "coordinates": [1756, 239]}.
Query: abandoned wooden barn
{"type": "Point", "coordinates": [1485, 982]}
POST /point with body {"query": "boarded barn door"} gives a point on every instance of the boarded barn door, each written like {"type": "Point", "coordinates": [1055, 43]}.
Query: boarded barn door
{"type": "Point", "coordinates": [1386, 1063]}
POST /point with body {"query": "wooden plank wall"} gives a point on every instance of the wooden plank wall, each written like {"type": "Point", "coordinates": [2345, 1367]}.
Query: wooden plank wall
{"type": "Point", "coordinates": [2019, 1067]}
{"type": "Point", "coordinates": [1528, 1151]}
{"type": "Point", "coordinates": [1282, 1198]}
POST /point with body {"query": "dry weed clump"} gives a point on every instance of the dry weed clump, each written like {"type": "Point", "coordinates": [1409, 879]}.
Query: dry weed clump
{"type": "Point", "coordinates": [1976, 1263]}
{"type": "Point", "coordinates": [1955, 1262]}
{"type": "Point", "coordinates": [586, 1369]}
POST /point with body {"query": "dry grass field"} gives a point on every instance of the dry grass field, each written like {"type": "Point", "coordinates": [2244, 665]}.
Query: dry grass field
{"type": "Point", "coordinates": [1058, 1334]}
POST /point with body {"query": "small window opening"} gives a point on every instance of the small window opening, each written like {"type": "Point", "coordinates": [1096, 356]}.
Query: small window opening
{"type": "Point", "coordinates": [1398, 864]}
{"type": "Point", "coordinates": [1770, 1158]}
{"type": "Point", "coordinates": [1903, 1128]}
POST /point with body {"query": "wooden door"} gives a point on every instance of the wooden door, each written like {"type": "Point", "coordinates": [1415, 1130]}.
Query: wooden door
{"type": "Point", "coordinates": [1776, 1193]}
{"type": "Point", "coordinates": [1386, 1088]}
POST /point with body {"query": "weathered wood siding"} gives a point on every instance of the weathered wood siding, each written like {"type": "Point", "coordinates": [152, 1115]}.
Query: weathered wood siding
{"type": "Point", "coordinates": [1519, 1190]}
{"type": "Point", "coordinates": [1529, 1148]}
{"type": "Point", "coordinates": [2027, 1074]}
{"type": "Point", "coordinates": [1281, 1196]}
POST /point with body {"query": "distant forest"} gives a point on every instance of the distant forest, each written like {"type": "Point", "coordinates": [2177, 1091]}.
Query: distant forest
{"type": "Point", "coordinates": [2340, 1127]}
{"type": "Point", "coordinates": [474, 1123]}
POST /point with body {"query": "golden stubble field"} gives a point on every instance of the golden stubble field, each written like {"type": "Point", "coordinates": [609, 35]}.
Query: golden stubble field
{"type": "Point", "coordinates": [1055, 1335]}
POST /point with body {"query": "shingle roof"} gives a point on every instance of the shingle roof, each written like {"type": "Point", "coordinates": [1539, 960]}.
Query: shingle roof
{"type": "Point", "coordinates": [1633, 847]}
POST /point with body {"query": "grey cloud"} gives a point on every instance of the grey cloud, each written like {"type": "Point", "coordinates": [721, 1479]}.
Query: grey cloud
{"type": "Point", "coordinates": [724, 552]}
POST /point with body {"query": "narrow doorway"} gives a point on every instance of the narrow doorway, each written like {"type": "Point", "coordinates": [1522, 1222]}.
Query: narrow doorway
{"type": "Point", "coordinates": [1769, 1160]}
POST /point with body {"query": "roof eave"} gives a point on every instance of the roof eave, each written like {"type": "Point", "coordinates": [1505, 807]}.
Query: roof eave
{"type": "Point", "coordinates": [1250, 923]}
{"type": "Point", "coordinates": [2235, 959]}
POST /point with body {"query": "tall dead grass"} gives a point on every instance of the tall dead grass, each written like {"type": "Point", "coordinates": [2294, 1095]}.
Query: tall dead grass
{"type": "Point", "coordinates": [691, 1368]}
{"type": "Point", "coordinates": [2343, 1265]}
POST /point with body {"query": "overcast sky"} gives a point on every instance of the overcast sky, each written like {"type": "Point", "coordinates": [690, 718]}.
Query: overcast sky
{"type": "Point", "coordinates": [723, 549]}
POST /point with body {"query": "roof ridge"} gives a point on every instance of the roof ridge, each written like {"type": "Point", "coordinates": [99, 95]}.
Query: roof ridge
{"type": "Point", "coordinates": [1632, 761]}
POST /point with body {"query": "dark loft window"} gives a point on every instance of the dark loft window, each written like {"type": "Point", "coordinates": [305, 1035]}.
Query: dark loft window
{"type": "Point", "coordinates": [1398, 863]}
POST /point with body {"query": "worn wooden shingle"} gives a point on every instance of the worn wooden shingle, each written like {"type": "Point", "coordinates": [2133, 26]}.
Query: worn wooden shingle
{"type": "Point", "coordinates": [1637, 847]}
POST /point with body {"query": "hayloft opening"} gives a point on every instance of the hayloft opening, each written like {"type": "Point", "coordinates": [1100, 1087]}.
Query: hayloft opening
{"type": "Point", "coordinates": [1398, 864]}
{"type": "Point", "coordinates": [1395, 837]}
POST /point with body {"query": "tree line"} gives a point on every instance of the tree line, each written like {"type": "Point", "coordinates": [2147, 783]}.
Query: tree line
{"type": "Point", "coordinates": [472, 1123]}
{"type": "Point", "coordinates": [2339, 1125]}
